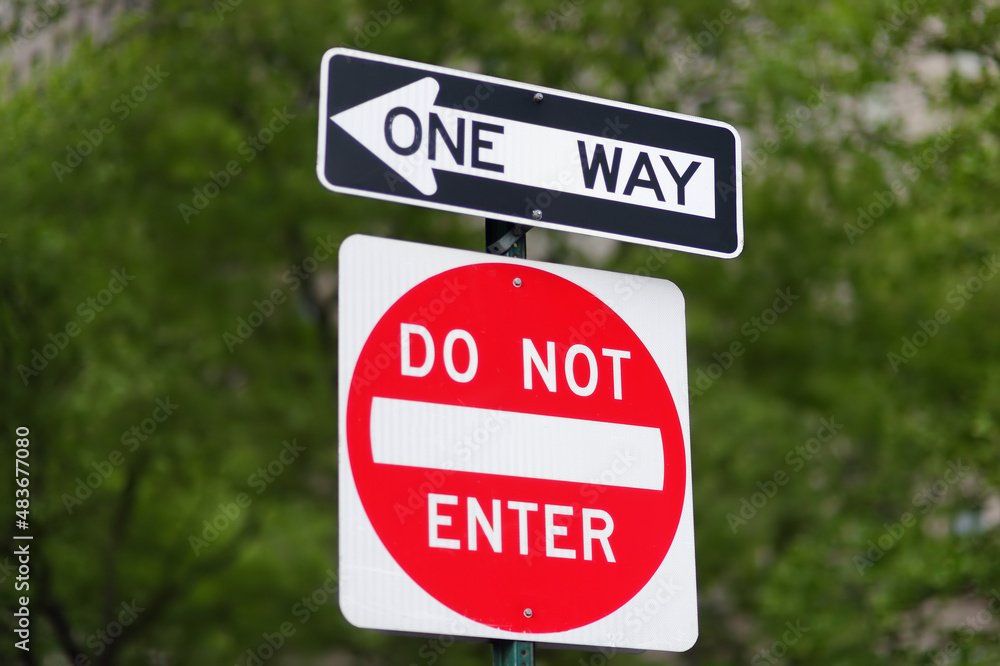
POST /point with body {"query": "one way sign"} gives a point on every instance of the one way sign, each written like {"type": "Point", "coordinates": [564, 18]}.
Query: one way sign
{"type": "Point", "coordinates": [412, 133]}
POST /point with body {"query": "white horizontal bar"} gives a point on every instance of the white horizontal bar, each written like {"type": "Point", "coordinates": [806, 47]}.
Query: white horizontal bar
{"type": "Point", "coordinates": [489, 441]}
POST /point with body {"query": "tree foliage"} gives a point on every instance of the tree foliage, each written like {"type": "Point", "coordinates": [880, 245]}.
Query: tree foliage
{"type": "Point", "coordinates": [143, 206]}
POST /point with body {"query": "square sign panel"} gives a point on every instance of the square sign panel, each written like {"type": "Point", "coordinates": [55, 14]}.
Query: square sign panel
{"type": "Point", "coordinates": [442, 138]}
{"type": "Point", "coordinates": [514, 450]}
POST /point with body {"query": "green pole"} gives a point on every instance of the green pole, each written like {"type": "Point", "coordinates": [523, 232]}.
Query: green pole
{"type": "Point", "coordinates": [506, 239]}
{"type": "Point", "coordinates": [513, 653]}
{"type": "Point", "coordinates": [509, 240]}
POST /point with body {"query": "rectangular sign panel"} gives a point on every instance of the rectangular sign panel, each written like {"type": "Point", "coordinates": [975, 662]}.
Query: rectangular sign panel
{"type": "Point", "coordinates": [513, 450]}
{"type": "Point", "coordinates": [412, 133]}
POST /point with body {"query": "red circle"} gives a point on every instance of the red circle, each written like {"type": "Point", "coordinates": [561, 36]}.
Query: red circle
{"type": "Point", "coordinates": [494, 588]}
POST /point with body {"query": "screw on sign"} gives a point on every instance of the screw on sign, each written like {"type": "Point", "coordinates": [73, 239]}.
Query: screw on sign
{"type": "Point", "coordinates": [526, 470]}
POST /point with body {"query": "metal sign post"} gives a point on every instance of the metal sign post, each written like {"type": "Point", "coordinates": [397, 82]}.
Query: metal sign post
{"type": "Point", "coordinates": [513, 653]}
{"type": "Point", "coordinates": [510, 240]}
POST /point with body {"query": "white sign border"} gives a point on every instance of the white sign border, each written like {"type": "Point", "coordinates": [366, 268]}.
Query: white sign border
{"type": "Point", "coordinates": [324, 121]}
{"type": "Point", "coordinates": [374, 273]}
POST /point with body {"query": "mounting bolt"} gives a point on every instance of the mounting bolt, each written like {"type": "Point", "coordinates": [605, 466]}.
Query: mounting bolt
{"type": "Point", "coordinates": [536, 214]}
{"type": "Point", "coordinates": [517, 282]}
{"type": "Point", "coordinates": [527, 612]}
{"type": "Point", "coordinates": [538, 97]}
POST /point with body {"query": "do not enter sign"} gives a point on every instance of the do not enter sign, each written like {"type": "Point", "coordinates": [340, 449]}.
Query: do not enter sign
{"type": "Point", "coordinates": [506, 452]}
{"type": "Point", "coordinates": [513, 452]}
